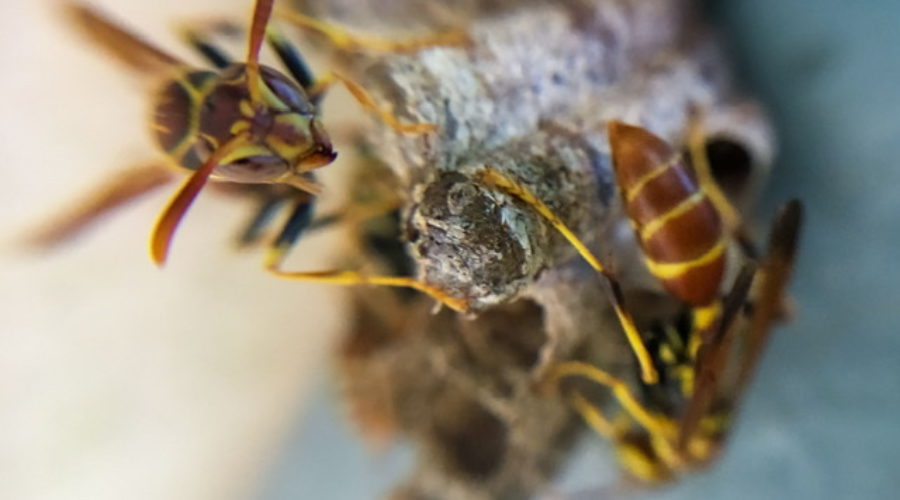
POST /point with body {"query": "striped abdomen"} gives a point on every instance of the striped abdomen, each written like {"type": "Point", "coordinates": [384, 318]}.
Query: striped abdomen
{"type": "Point", "coordinates": [176, 117]}
{"type": "Point", "coordinates": [678, 227]}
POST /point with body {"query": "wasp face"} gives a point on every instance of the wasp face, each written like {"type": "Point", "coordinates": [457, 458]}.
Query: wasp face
{"type": "Point", "coordinates": [283, 137]}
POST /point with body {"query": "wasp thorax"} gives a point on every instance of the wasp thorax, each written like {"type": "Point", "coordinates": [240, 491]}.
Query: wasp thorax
{"type": "Point", "coordinates": [199, 111]}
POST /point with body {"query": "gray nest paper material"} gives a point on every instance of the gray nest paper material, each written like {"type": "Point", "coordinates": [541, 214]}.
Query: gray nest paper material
{"type": "Point", "coordinates": [529, 97]}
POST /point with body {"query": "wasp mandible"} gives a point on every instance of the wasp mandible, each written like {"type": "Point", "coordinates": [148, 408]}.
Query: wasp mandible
{"type": "Point", "coordinates": [241, 122]}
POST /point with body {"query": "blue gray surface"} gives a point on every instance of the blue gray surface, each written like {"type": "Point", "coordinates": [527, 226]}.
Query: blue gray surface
{"type": "Point", "coordinates": [823, 418]}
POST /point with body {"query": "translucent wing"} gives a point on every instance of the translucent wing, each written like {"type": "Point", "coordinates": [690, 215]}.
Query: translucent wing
{"type": "Point", "coordinates": [125, 46]}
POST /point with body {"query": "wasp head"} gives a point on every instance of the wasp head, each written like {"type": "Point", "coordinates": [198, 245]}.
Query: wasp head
{"type": "Point", "coordinates": [280, 136]}
{"type": "Point", "coordinates": [284, 138]}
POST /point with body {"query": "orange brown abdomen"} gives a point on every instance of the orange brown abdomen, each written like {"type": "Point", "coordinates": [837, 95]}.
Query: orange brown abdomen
{"type": "Point", "coordinates": [678, 227]}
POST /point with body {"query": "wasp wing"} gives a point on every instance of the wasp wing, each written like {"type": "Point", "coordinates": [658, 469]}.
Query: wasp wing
{"type": "Point", "coordinates": [125, 46]}
{"type": "Point", "coordinates": [712, 356]}
{"type": "Point", "coordinates": [117, 191]}
{"type": "Point", "coordinates": [769, 299]}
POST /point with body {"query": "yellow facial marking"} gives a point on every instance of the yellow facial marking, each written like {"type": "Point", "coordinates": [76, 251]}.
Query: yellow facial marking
{"type": "Point", "coordinates": [239, 126]}
{"type": "Point", "coordinates": [246, 108]}
{"type": "Point", "coordinates": [290, 150]}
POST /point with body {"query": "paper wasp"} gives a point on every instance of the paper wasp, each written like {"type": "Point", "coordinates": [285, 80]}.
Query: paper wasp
{"type": "Point", "coordinates": [694, 369]}
{"type": "Point", "coordinates": [244, 123]}
{"type": "Point", "coordinates": [680, 422]}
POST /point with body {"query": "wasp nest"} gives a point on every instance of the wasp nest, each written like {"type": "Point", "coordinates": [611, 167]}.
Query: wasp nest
{"type": "Point", "coordinates": [529, 96]}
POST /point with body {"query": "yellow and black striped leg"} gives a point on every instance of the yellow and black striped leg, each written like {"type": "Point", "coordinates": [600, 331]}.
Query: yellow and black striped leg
{"type": "Point", "coordinates": [344, 40]}
{"type": "Point", "coordinates": [120, 189]}
{"type": "Point", "coordinates": [492, 177]}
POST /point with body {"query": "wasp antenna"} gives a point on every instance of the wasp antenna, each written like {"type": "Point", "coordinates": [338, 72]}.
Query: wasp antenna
{"type": "Point", "coordinates": [262, 12]}
{"type": "Point", "coordinates": [171, 216]}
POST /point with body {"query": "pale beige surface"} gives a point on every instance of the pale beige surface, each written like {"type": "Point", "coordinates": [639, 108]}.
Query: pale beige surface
{"type": "Point", "coordinates": [118, 380]}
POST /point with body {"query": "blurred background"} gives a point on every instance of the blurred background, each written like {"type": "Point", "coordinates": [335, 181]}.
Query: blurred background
{"type": "Point", "coordinates": [118, 380]}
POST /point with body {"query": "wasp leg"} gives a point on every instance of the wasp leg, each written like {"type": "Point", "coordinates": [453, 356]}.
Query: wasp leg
{"type": "Point", "coordinates": [266, 211]}
{"type": "Point", "coordinates": [491, 177]}
{"type": "Point", "coordinates": [660, 430]}
{"type": "Point", "coordinates": [696, 144]}
{"type": "Point", "coordinates": [703, 170]}
{"type": "Point", "coordinates": [365, 99]}
{"type": "Point", "coordinates": [299, 220]}
{"type": "Point", "coordinates": [292, 60]}
{"type": "Point", "coordinates": [122, 188]}
{"type": "Point", "coordinates": [636, 460]}
{"type": "Point", "coordinates": [316, 89]}
{"type": "Point", "coordinates": [344, 40]}
{"type": "Point", "coordinates": [594, 417]}
{"type": "Point", "coordinates": [200, 40]}
{"type": "Point", "coordinates": [270, 203]}
{"type": "Point", "coordinates": [338, 277]}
